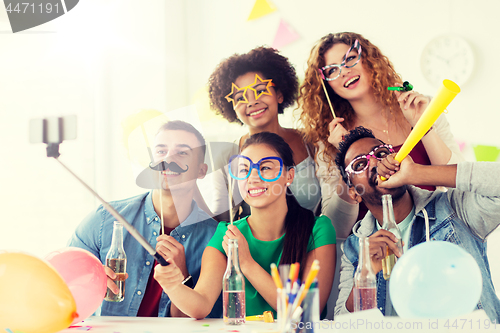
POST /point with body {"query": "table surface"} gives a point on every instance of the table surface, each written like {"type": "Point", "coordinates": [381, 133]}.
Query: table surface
{"type": "Point", "coordinates": [156, 325]}
{"type": "Point", "coordinates": [365, 321]}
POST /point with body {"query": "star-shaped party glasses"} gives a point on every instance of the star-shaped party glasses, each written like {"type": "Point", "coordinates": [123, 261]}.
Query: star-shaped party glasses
{"type": "Point", "coordinates": [259, 87]}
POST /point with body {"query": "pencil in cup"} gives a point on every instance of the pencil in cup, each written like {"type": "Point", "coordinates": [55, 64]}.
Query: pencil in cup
{"type": "Point", "coordinates": [313, 272]}
{"type": "Point", "coordinates": [276, 276]}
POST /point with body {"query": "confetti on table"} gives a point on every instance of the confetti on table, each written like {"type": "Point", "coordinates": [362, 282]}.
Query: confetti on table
{"type": "Point", "coordinates": [81, 328]}
{"type": "Point", "coordinates": [205, 325]}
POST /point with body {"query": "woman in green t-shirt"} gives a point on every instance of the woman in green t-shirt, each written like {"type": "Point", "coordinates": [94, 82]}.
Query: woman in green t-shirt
{"type": "Point", "coordinates": [278, 230]}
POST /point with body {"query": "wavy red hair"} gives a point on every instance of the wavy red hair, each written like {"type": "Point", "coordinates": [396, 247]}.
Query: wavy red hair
{"type": "Point", "coordinates": [316, 113]}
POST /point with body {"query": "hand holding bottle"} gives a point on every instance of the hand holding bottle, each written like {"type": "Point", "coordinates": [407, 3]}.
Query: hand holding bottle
{"type": "Point", "coordinates": [245, 258]}
{"type": "Point", "coordinates": [379, 243]}
{"type": "Point", "coordinates": [112, 277]}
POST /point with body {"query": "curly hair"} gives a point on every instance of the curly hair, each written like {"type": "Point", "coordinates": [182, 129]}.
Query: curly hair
{"type": "Point", "coordinates": [354, 135]}
{"type": "Point", "coordinates": [264, 60]}
{"type": "Point", "coordinates": [316, 113]}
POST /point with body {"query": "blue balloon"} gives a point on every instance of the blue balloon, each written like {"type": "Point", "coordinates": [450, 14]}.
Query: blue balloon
{"type": "Point", "coordinates": [435, 280]}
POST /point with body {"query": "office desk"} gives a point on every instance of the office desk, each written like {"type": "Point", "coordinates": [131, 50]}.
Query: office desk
{"type": "Point", "coordinates": [162, 325]}
{"type": "Point", "coordinates": [366, 321]}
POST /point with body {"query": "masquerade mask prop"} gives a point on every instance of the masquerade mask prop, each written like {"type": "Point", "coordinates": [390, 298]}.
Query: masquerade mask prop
{"type": "Point", "coordinates": [332, 72]}
{"type": "Point", "coordinates": [269, 168]}
{"type": "Point", "coordinates": [361, 163]}
{"type": "Point", "coordinates": [259, 87]}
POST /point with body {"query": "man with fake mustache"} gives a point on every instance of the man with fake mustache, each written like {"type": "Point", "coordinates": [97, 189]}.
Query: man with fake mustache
{"type": "Point", "coordinates": [465, 215]}
{"type": "Point", "coordinates": [167, 217]}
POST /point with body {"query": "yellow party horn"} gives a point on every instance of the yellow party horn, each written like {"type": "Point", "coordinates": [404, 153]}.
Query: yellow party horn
{"type": "Point", "coordinates": [438, 104]}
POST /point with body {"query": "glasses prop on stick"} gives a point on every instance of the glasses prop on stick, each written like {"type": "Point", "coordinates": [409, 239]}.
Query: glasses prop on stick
{"type": "Point", "coordinates": [230, 196]}
{"type": "Point", "coordinates": [328, 99]}
{"type": "Point", "coordinates": [332, 72]}
{"type": "Point", "coordinates": [130, 124]}
{"type": "Point", "coordinates": [438, 104]}
{"type": "Point", "coordinates": [53, 131]}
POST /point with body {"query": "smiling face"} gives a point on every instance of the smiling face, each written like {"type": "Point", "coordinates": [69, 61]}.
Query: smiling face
{"type": "Point", "coordinates": [353, 82]}
{"type": "Point", "coordinates": [258, 112]}
{"type": "Point", "coordinates": [185, 150]}
{"type": "Point", "coordinates": [365, 183]}
{"type": "Point", "coordinates": [256, 192]}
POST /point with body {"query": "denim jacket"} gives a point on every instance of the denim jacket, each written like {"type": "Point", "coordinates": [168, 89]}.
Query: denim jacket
{"type": "Point", "coordinates": [95, 231]}
{"type": "Point", "coordinates": [465, 216]}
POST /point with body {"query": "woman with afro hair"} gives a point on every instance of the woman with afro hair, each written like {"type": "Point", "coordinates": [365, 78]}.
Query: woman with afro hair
{"type": "Point", "coordinates": [355, 75]}
{"type": "Point", "coordinates": [252, 89]}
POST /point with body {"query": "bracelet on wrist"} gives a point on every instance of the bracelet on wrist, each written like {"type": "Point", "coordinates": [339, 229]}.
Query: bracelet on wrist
{"type": "Point", "coordinates": [188, 282]}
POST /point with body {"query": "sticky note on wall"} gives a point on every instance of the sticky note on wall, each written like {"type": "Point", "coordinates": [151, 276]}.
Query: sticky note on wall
{"type": "Point", "coordinates": [486, 153]}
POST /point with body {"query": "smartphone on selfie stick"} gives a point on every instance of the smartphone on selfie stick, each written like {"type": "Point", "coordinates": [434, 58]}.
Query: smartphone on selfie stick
{"type": "Point", "coordinates": [53, 131]}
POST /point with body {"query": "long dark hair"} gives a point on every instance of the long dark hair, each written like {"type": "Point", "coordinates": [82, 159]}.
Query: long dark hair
{"type": "Point", "coordinates": [299, 221]}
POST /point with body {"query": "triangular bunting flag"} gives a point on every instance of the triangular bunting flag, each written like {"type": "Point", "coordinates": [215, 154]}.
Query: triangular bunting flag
{"type": "Point", "coordinates": [285, 35]}
{"type": "Point", "coordinates": [461, 144]}
{"type": "Point", "coordinates": [261, 8]}
{"type": "Point", "coordinates": [486, 153]}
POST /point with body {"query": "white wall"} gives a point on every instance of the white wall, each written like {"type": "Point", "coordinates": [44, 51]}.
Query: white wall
{"type": "Point", "coordinates": [107, 59]}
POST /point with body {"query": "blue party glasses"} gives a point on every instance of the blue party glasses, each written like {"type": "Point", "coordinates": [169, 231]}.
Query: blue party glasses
{"type": "Point", "coordinates": [269, 168]}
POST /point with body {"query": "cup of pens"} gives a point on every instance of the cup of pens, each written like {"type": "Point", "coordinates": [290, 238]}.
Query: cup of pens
{"type": "Point", "coordinates": [297, 303]}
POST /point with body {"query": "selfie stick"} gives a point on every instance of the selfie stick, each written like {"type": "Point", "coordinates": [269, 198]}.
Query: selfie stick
{"type": "Point", "coordinates": [53, 151]}
{"type": "Point", "coordinates": [443, 98]}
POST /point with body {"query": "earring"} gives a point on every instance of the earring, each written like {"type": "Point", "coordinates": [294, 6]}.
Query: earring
{"type": "Point", "coordinates": [287, 184]}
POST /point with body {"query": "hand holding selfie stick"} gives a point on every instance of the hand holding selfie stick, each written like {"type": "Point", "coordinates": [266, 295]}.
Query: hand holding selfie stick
{"type": "Point", "coordinates": [53, 151]}
{"type": "Point", "coordinates": [443, 98]}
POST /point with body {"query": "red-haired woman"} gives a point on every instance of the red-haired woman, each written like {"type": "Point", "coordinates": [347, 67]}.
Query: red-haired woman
{"type": "Point", "coordinates": [355, 74]}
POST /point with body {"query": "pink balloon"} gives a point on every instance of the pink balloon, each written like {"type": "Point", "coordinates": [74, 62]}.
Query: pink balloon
{"type": "Point", "coordinates": [84, 274]}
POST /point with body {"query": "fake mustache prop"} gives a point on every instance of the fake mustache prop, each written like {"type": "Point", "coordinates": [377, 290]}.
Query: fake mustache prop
{"type": "Point", "coordinates": [150, 177]}
{"type": "Point", "coordinates": [216, 157]}
{"type": "Point", "coordinates": [164, 166]}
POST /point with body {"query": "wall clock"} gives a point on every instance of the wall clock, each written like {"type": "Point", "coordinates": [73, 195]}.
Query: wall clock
{"type": "Point", "coordinates": [447, 57]}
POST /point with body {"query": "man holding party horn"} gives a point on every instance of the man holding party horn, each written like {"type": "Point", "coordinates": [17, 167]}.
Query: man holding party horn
{"type": "Point", "coordinates": [466, 214]}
